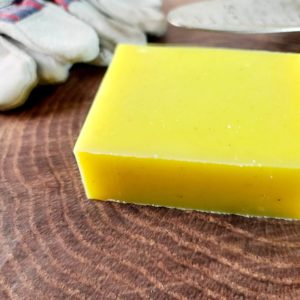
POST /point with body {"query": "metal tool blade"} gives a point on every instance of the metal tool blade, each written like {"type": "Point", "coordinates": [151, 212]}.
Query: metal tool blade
{"type": "Point", "coordinates": [244, 16]}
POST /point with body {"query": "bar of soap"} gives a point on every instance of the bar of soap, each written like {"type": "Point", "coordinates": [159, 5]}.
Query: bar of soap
{"type": "Point", "coordinates": [196, 128]}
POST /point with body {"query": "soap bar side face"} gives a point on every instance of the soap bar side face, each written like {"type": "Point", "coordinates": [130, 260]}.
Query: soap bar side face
{"type": "Point", "coordinates": [220, 188]}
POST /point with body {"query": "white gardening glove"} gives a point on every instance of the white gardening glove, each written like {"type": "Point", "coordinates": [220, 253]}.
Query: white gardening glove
{"type": "Point", "coordinates": [149, 3]}
{"type": "Point", "coordinates": [146, 15]}
{"type": "Point", "coordinates": [112, 30]}
{"type": "Point", "coordinates": [49, 69]}
{"type": "Point", "coordinates": [56, 39]}
{"type": "Point", "coordinates": [5, 3]}
{"type": "Point", "coordinates": [18, 75]}
{"type": "Point", "coordinates": [46, 28]}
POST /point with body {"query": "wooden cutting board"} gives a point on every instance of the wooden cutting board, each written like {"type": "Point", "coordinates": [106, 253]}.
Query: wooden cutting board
{"type": "Point", "coordinates": [55, 244]}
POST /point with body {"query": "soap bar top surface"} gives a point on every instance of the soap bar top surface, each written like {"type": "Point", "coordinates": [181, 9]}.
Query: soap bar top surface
{"type": "Point", "coordinates": [215, 106]}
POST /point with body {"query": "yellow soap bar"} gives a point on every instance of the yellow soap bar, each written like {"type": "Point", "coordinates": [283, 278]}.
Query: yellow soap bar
{"type": "Point", "coordinates": [196, 128]}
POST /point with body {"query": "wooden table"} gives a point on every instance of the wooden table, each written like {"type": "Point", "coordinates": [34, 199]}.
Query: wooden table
{"type": "Point", "coordinates": [55, 244]}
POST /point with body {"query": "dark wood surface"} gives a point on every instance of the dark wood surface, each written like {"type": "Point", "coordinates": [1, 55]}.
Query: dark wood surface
{"type": "Point", "coordinates": [55, 244]}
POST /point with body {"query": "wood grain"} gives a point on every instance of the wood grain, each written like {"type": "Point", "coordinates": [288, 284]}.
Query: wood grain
{"type": "Point", "coordinates": [55, 244]}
